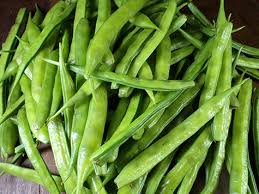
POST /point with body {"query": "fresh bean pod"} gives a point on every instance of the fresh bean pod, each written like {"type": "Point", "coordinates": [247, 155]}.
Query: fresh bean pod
{"type": "Point", "coordinates": [156, 85]}
{"type": "Point", "coordinates": [239, 146]}
{"type": "Point", "coordinates": [157, 174]}
{"type": "Point", "coordinates": [94, 133]}
{"type": "Point", "coordinates": [44, 104]}
{"type": "Point", "coordinates": [256, 130]}
{"type": "Point", "coordinates": [33, 154]}
{"type": "Point", "coordinates": [61, 153]}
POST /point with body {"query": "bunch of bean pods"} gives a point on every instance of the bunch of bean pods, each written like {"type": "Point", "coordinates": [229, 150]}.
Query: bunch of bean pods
{"type": "Point", "coordinates": [133, 96]}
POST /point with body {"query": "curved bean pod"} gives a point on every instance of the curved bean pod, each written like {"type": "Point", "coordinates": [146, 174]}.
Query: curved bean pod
{"type": "Point", "coordinates": [239, 146]}
{"type": "Point", "coordinates": [33, 154]}
{"type": "Point", "coordinates": [156, 85]}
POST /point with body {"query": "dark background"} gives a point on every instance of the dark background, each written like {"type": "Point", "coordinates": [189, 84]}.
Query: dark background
{"type": "Point", "coordinates": [244, 13]}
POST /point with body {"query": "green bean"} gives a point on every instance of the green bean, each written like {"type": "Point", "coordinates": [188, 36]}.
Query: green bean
{"type": "Point", "coordinates": [61, 153]}
{"type": "Point", "coordinates": [220, 122]}
{"type": "Point", "coordinates": [163, 59]}
{"type": "Point", "coordinates": [156, 85]}
{"type": "Point", "coordinates": [97, 185]}
{"type": "Point", "coordinates": [221, 20]}
{"type": "Point", "coordinates": [246, 49]}
{"type": "Point", "coordinates": [239, 171]}
{"type": "Point", "coordinates": [131, 53]}
{"type": "Point", "coordinates": [8, 138]}
{"type": "Point", "coordinates": [11, 109]}
{"type": "Point", "coordinates": [56, 9]}
{"type": "Point", "coordinates": [33, 154]}
{"type": "Point", "coordinates": [154, 41]}
{"type": "Point", "coordinates": [66, 43]}
{"type": "Point", "coordinates": [199, 15]}
{"type": "Point", "coordinates": [81, 108]}
{"type": "Point", "coordinates": [140, 19]}
{"type": "Point", "coordinates": [5, 57]}
{"type": "Point", "coordinates": [126, 42]}
{"type": "Point", "coordinates": [217, 163]}
{"type": "Point", "coordinates": [33, 31]}
{"type": "Point", "coordinates": [39, 69]}
{"type": "Point", "coordinates": [28, 174]}
{"type": "Point", "coordinates": [78, 125]}
{"type": "Point", "coordinates": [94, 133]}
{"type": "Point", "coordinates": [251, 72]}
{"type": "Point", "coordinates": [195, 42]}
{"type": "Point", "coordinates": [68, 90]}
{"type": "Point", "coordinates": [180, 54]}
{"type": "Point", "coordinates": [104, 11]}
{"type": "Point", "coordinates": [251, 179]}
{"type": "Point", "coordinates": [188, 160]}
{"type": "Point", "coordinates": [127, 119]}
{"type": "Point", "coordinates": [145, 73]}
{"type": "Point", "coordinates": [248, 62]}
{"type": "Point", "coordinates": [177, 24]}
{"type": "Point", "coordinates": [57, 95]}
{"type": "Point", "coordinates": [256, 130]}
{"type": "Point", "coordinates": [190, 177]}
{"type": "Point", "coordinates": [180, 42]}
{"type": "Point", "coordinates": [134, 187]}
{"type": "Point", "coordinates": [143, 21]}
{"type": "Point", "coordinates": [215, 62]}
{"type": "Point", "coordinates": [30, 106]}
{"type": "Point", "coordinates": [153, 132]}
{"type": "Point", "coordinates": [81, 12]}
{"type": "Point", "coordinates": [157, 174]}
{"type": "Point", "coordinates": [38, 16]}
{"type": "Point", "coordinates": [35, 47]}
{"type": "Point", "coordinates": [43, 106]}
{"type": "Point", "coordinates": [167, 144]}
{"type": "Point", "coordinates": [103, 38]}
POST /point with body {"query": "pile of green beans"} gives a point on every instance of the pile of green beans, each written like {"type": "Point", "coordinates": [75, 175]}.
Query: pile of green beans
{"type": "Point", "coordinates": [131, 96]}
